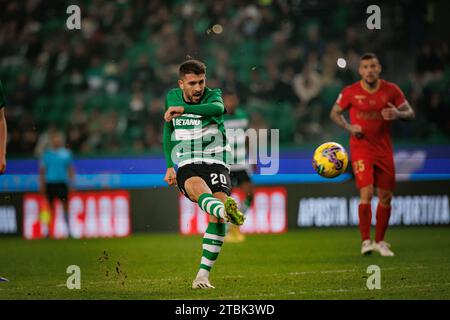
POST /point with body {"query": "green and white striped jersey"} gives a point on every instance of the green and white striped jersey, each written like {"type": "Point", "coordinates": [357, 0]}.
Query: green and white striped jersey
{"type": "Point", "coordinates": [236, 125]}
{"type": "Point", "coordinates": [197, 136]}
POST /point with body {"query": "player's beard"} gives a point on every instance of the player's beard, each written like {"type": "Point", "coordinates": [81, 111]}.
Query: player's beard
{"type": "Point", "coordinates": [372, 82]}
{"type": "Point", "coordinates": [195, 98]}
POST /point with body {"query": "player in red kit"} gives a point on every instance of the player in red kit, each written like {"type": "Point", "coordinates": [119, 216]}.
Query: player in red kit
{"type": "Point", "coordinates": [372, 103]}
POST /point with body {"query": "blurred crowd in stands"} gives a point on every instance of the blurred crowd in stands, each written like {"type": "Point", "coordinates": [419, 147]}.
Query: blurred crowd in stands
{"type": "Point", "coordinates": [104, 85]}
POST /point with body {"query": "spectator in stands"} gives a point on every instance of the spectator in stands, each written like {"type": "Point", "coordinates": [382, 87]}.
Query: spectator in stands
{"type": "Point", "coordinates": [111, 129]}
{"type": "Point", "coordinates": [307, 84]}
{"type": "Point", "coordinates": [428, 60]}
{"type": "Point", "coordinates": [43, 141]}
{"type": "Point", "coordinates": [279, 87]}
{"type": "Point", "coordinates": [144, 72]}
{"type": "Point", "coordinates": [76, 137]}
{"type": "Point", "coordinates": [140, 42]}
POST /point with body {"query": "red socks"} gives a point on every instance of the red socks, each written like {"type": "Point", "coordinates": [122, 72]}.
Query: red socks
{"type": "Point", "coordinates": [365, 219]}
{"type": "Point", "coordinates": [383, 215]}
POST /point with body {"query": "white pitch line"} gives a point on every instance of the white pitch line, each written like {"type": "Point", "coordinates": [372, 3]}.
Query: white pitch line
{"type": "Point", "coordinates": [297, 273]}
{"type": "Point", "coordinates": [325, 291]}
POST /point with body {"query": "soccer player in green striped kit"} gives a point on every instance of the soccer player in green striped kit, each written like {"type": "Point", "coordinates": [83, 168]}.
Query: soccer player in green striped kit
{"type": "Point", "coordinates": [194, 139]}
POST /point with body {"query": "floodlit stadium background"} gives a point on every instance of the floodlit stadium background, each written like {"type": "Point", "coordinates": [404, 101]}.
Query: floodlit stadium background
{"type": "Point", "coordinates": [104, 86]}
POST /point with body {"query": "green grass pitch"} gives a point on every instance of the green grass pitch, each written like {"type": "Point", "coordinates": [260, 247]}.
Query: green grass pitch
{"type": "Point", "coordinates": [301, 264]}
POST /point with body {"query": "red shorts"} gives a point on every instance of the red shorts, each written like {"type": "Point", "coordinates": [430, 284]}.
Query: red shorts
{"type": "Point", "coordinates": [377, 171]}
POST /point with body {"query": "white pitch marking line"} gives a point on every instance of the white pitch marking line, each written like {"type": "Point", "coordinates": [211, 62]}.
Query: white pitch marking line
{"type": "Point", "coordinates": [324, 291]}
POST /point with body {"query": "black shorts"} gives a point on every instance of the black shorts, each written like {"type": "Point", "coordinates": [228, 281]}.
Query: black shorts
{"type": "Point", "coordinates": [216, 176]}
{"type": "Point", "coordinates": [239, 177]}
{"type": "Point", "coordinates": [56, 190]}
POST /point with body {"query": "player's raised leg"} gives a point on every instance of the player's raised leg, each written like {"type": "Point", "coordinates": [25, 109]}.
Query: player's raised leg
{"type": "Point", "coordinates": [198, 191]}
{"type": "Point", "coordinates": [383, 214]}
{"type": "Point", "coordinates": [365, 218]}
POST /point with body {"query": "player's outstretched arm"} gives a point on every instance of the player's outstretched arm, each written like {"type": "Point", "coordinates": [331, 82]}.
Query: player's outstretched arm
{"type": "Point", "coordinates": [173, 112]}
{"type": "Point", "coordinates": [3, 133]}
{"type": "Point", "coordinates": [337, 116]}
{"type": "Point", "coordinates": [211, 109]}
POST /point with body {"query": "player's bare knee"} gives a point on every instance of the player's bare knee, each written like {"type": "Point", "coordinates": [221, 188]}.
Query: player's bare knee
{"type": "Point", "coordinates": [385, 198]}
{"type": "Point", "coordinates": [221, 196]}
{"type": "Point", "coordinates": [366, 194]}
{"type": "Point", "coordinates": [195, 187]}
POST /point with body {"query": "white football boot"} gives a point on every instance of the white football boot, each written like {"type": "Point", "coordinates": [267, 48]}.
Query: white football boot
{"type": "Point", "coordinates": [383, 248]}
{"type": "Point", "coordinates": [202, 283]}
{"type": "Point", "coordinates": [367, 247]}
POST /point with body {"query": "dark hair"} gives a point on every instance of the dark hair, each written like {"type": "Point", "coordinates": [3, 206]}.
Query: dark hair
{"type": "Point", "coordinates": [192, 66]}
{"type": "Point", "coordinates": [368, 56]}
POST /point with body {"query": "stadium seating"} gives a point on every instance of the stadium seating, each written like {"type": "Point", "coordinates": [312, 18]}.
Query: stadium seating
{"type": "Point", "coordinates": [97, 67]}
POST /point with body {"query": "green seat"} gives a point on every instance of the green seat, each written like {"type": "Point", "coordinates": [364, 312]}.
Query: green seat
{"type": "Point", "coordinates": [143, 48]}
{"type": "Point", "coordinates": [122, 101]}
{"type": "Point", "coordinates": [41, 107]}
{"type": "Point", "coordinates": [54, 117]}
{"type": "Point", "coordinates": [94, 102]}
{"type": "Point", "coordinates": [282, 119]}
{"type": "Point", "coordinates": [118, 103]}
{"type": "Point", "coordinates": [106, 103]}
{"type": "Point", "coordinates": [58, 102]}
{"type": "Point", "coordinates": [134, 132]}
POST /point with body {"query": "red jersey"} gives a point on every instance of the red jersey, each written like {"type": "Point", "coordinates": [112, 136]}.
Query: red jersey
{"type": "Point", "coordinates": [365, 109]}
